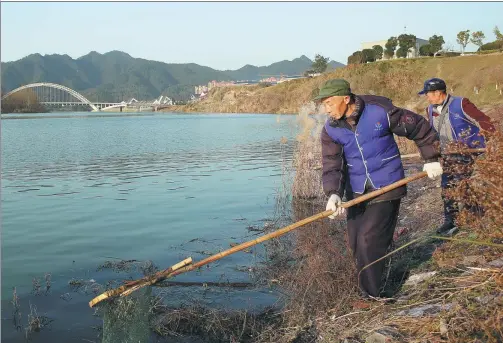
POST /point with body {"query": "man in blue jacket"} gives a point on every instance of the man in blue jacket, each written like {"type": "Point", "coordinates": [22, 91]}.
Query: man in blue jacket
{"type": "Point", "coordinates": [455, 119]}
{"type": "Point", "coordinates": [359, 155]}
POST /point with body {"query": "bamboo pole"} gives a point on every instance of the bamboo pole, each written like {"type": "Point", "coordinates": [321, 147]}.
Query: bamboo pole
{"type": "Point", "coordinates": [134, 285]}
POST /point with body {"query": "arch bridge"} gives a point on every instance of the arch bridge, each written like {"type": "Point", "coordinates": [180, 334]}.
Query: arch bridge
{"type": "Point", "coordinates": [53, 94]}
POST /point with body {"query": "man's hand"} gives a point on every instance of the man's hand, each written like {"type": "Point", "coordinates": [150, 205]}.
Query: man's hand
{"type": "Point", "coordinates": [434, 169]}
{"type": "Point", "coordinates": [333, 204]}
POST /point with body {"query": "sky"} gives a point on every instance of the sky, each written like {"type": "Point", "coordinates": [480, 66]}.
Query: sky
{"type": "Point", "coordinates": [229, 35]}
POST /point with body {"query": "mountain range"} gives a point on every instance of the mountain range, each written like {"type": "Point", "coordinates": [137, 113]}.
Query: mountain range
{"type": "Point", "coordinates": [116, 76]}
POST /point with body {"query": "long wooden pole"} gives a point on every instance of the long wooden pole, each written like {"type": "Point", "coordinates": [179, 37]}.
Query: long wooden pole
{"type": "Point", "coordinates": [170, 272]}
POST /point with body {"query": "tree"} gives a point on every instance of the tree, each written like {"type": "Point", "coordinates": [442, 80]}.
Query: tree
{"type": "Point", "coordinates": [477, 38]}
{"type": "Point", "coordinates": [463, 39]}
{"type": "Point", "coordinates": [390, 46]}
{"type": "Point", "coordinates": [378, 51]}
{"type": "Point", "coordinates": [320, 64]}
{"type": "Point", "coordinates": [369, 55]}
{"type": "Point", "coordinates": [425, 50]}
{"type": "Point", "coordinates": [498, 34]}
{"type": "Point", "coordinates": [406, 43]}
{"type": "Point", "coordinates": [357, 57]}
{"type": "Point", "coordinates": [436, 43]}
{"type": "Point", "coordinates": [401, 52]}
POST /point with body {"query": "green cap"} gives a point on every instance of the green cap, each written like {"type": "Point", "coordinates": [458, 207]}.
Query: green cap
{"type": "Point", "coordinates": [334, 87]}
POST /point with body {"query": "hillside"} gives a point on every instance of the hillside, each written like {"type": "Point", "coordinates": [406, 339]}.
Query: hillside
{"type": "Point", "coordinates": [116, 75]}
{"type": "Point", "coordinates": [399, 80]}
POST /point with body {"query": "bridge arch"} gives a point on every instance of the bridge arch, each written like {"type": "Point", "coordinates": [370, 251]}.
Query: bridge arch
{"type": "Point", "coordinates": [55, 86]}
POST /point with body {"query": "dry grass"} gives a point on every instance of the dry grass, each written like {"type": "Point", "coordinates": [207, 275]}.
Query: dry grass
{"type": "Point", "coordinates": [216, 325]}
{"type": "Point", "coordinates": [322, 278]}
{"type": "Point", "coordinates": [36, 322]}
{"type": "Point", "coordinates": [16, 310]}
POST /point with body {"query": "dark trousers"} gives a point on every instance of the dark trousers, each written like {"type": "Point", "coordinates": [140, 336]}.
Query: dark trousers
{"type": "Point", "coordinates": [370, 232]}
{"type": "Point", "coordinates": [456, 168]}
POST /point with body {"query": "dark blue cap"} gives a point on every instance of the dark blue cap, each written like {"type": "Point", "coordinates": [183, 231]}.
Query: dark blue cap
{"type": "Point", "coordinates": [434, 84]}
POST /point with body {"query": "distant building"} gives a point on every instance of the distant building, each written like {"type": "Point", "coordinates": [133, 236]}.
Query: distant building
{"type": "Point", "coordinates": [414, 52]}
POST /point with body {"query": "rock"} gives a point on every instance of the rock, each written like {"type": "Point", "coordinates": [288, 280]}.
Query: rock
{"type": "Point", "coordinates": [486, 299]}
{"type": "Point", "coordinates": [497, 263]}
{"type": "Point", "coordinates": [474, 259]}
{"type": "Point", "coordinates": [390, 333]}
{"type": "Point", "coordinates": [414, 280]}
{"type": "Point", "coordinates": [421, 311]}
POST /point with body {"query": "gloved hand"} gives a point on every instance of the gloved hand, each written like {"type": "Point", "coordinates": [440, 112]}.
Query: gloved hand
{"type": "Point", "coordinates": [434, 169]}
{"type": "Point", "coordinates": [333, 204]}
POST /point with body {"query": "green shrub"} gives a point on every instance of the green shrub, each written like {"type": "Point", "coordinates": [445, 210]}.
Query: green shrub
{"type": "Point", "coordinates": [496, 45]}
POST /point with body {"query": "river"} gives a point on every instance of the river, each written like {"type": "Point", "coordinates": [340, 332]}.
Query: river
{"type": "Point", "coordinates": [81, 190]}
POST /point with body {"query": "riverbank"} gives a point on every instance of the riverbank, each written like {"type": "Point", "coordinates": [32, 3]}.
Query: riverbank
{"type": "Point", "coordinates": [478, 77]}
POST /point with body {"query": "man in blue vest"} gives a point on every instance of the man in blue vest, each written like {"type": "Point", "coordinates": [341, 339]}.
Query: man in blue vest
{"type": "Point", "coordinates": [455, 119]}
{"type": "Point", "coordinates": [359, 155]}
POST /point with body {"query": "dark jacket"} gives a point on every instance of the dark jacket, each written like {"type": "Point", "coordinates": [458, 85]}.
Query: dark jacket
{"type": "Point", "coordinates": [402, 122]}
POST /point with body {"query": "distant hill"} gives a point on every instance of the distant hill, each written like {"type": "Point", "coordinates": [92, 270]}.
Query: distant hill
{"type": "Point", "coordinates": [116, 75]}
{"type": "Point", "coordinates": [294, 67]}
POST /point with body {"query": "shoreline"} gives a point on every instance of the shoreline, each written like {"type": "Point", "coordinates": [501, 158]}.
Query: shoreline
{"type": "Point", "coordinates": [150, 114]}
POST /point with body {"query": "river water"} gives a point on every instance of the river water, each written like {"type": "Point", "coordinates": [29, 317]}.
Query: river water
{"type": "Point", "coordinates": [82, 190]}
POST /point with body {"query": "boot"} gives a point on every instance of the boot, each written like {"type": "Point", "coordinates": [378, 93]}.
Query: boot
{"type": "Point", "coordinates": [450, 212]}
{"type": "Point", "coordinates": [448, 228]}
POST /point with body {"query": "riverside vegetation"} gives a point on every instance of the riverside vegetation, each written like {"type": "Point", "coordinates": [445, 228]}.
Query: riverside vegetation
{"type": "Point", "coordinates": [440, 291]}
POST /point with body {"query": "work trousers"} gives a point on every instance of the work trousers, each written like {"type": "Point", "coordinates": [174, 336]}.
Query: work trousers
{"type": "Point", "coordinates": [456, 168]}
{"type": "Point", "coordinates": [370, 232]}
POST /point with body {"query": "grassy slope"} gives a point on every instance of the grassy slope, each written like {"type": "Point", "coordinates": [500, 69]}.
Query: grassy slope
{"type": "Point", "coordinates": [399, 80]}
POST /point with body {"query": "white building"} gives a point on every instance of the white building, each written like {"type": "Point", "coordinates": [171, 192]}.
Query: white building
{"type": "Point", "coordinates": [414, 52]}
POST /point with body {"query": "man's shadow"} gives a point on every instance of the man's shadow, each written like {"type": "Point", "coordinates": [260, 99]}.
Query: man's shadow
{"type": "Point", "coordinates": [399, 265]}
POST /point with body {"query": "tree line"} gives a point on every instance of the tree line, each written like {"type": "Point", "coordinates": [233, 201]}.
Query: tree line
{"type": "Point", "coordinates": [402, 45]}
{"type": "Point", "coordinates": [24, 101]}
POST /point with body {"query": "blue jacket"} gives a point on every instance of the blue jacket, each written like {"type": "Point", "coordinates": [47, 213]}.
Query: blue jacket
{"type": "Point", "coordinates": [365, 156]}
{"type": "Point", "coordinates": [370, 150]}
{"type": "Point", "coordinates": [462, 127]}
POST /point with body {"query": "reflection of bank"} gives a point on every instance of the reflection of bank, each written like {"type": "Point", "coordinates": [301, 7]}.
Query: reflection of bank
{"type": "Point", "coordinates": [414, 52]}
